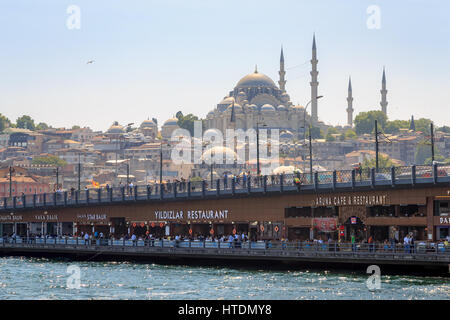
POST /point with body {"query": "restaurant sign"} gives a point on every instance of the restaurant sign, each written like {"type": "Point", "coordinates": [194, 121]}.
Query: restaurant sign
{"type": "Point", "coordinates": [192, 215]}
{"type": "Point", "coordinates": [444, 220]}
{"type": "Point", "coordinates": [353, 200]}
{"type": "Point", "coordinates": [10, 218]}
{"type": "Point", "coordinates": [325, 224]}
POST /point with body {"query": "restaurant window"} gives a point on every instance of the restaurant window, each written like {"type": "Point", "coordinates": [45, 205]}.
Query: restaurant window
{"type": "Point", "coordinates": [442, 208]}
{"type": "Point", "coordinates": [326, 212]}
{"type": "Point", "coordinates": [410, 211]}
{"type": "Point", "coordinates": [382, 211]}
{"type": "Point", "coordinates": [297, 212]}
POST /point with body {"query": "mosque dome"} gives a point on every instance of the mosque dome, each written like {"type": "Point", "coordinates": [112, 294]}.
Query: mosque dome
{"type": "Point", "coordinates": [237, 108]}
{"type": "Point", "coordinates": [116, 129]}
{"type": "Point", "coordinates": [255, 79]}
{"type": "Point", "coordinates": [252, 107]}
{"type": "Point", "coordinates": [171, 122]}
{"type": "Point", "coordinates": [267, 108]}
{"type": "Point", "coordinates": [281, 108]}
{"type": "Point", "coordinates": [147, 124]}
{"type": "Point", "coordinates": [219, 153]}
{"type": "Point", "coordinates": [286, 135]}
{"type": "Point", "coordinates": [227, 100]}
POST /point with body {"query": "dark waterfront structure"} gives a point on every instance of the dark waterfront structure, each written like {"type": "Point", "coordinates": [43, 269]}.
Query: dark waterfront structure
{"type": "Point", "coordinates": [386, 205]}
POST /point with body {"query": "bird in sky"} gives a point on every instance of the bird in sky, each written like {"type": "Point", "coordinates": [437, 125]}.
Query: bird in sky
{"type": "Point", "coordinates": [90, 61]}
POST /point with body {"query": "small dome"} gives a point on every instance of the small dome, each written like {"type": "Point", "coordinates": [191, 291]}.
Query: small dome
{"type": "Point", "coordinates": [286, 135]}
{"type": "Point", "coordinates": [222, 154]}
{"type": "Point", "coordinates": [147, 124]}
{"type": "Point", "coordinates": [237, 108]}
{"type": "Point", "coordinates": [267, 108]}
{"type": "Point", "coordinates": [116, 129]}
{"type": "Point", "coordinates": [252, 107]}
{"type": "Point", "coordinates": [227, 100]}
{"type": "Point", "coordinates": [171, 122]}
{"type": "Point", "coordinates": [281, 108]}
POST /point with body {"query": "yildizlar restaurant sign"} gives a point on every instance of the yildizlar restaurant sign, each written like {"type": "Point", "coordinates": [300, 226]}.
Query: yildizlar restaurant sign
{"type": "Point", "coordinates": [351, 200]}
{"type": "Point", "coordinates": [209, 215]}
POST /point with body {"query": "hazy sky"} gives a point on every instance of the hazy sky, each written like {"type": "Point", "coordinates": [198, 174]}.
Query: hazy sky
{"type": "Point", "coordinates": [153, 58]}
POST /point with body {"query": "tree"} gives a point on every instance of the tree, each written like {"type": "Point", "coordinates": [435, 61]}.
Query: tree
{"type": "Point", "coordinates": [383, 162]}
{"type": "Point", "coordinates": [4, 122]}
{"type": "Point", "coordinates": [49, 160]}
{"type": "Point", "coordinates": [186, 122]}
{"type": "Point", "coordinates": [350, 134]}
{"type": "Point", "coordinates": [330, 137]}
{"type": "Point", "coordinates": [423, 125]}
{"type": "Point", "coordinates": [423, 152]}
{"type": "Point", "coordinates": [316, 133]}
{"type": "Point", "coordinates": [25, 122]}
{"type": "Point", "coordinates": [395, 126]}
{"type": "Point", "coordinates": [365, 121]}
{"type": "Point", "coordinates": [445, 129]}
{"type": "Point", "coordinates": [42, 126]}
{"type": "Point", "coordinates": [75, 127]}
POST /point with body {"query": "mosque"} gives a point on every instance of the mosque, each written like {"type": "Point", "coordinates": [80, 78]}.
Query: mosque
{"type": "Point", "coordinates": [257, 100]}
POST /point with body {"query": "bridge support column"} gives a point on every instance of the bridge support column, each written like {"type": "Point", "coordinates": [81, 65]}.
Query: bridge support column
{"type": "Point", "coordinates": [334, 179]}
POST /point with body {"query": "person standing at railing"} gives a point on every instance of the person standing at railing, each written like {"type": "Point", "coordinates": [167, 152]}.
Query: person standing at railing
{"type": "Point", "coordinates": [406, 243]}
{"type": "Point", "coordinates": [133, 239]}
{"type": "Point", "coordinates": [86, 238]}
{"type": "Point", "coordinates": [353, 242]}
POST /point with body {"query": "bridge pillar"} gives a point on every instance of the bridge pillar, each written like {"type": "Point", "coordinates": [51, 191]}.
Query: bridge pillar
{"type": "Point", "coordinates": [393, 176]}
{"type": "Point", "coordinates": [316, 180]}
{"type": "Point", "coordinates": [218, 187]}
{"type": "Point", "coordinates": [233, 186]}
{"type": "Point", "coordinates": [65, 198]}
{"type": "Point", "coordinates": [372, 177]}
{"type": "Point", "coordinates": [353, 179]}
{"type": "Point", "coordinates": [265, 184]}
{"type": "Point", "coordinates": [413, 174]}
{"type": "Point", "coordinates": [87, 196]}
{"type": "Point", "coordinates": [435, 172]}
{"type": "Point", "coordinates": [204, 188]}
{"type": "Point", "coordinates": [281, 182]}
{"type": "Point", "coordinates": [249, 184]}
{"type": "Point", "coordinates": [334, 179]}
{"type": "Point", "coordinates": [189, 189]}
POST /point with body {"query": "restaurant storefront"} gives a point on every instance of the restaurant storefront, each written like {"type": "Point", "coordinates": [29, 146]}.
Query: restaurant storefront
{"type": "Point", "coordinates": [384, 215]}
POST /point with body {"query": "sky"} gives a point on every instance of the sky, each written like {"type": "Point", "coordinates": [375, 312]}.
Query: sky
{"type": "Point", "coordinates": [154, 58]}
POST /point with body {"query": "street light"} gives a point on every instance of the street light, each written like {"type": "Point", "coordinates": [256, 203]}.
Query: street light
{"type": "Point", "coordinates": [304, 118]}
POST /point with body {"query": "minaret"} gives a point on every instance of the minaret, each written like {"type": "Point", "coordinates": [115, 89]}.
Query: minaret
{"type": "Point", "coordinates": [412, 125]}
{"type": "Point", "coordinates": [384, 92]}
{"type": "Point", "coordinates": [314, 83]}
{"type": "Point", "coordinates": [282, 73]}
{"type": "Point", "coordinates": [350, 104]}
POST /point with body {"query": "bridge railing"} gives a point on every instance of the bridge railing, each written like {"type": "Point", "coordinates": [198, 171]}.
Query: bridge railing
{"type": "Point", "coordinates": [322, 179]}
{"type": "Point", "coordinates": [420, 248]}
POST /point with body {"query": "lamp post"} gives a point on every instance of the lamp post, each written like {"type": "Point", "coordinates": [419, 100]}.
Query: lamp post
{"type": "Point", "coordinates": [79, 172]}
{"type": "Point", "coordinates": [376, 145]}
{"type": "Point", "coordinates": [310, 156]}
{"type": "Point", "coordinates": [10, 181]}
{"type": "Point", "coordinates": [57, 178]}
{"type": "Point", "coordinates": [304, 118]}
{"type": "Point", "coordinates": [432, 143]}
{"type": "Point", "coordinates": [160, 164]}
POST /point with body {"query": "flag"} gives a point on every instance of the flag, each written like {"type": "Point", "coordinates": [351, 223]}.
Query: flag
{"type": "Point", "coordinates": [95, 184]}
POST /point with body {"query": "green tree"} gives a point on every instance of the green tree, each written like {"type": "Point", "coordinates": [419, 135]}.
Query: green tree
{"type": "Point", "coordinates": [423, 125]}
{"type": "Point", "coordinates": [42, 126]}
{"type": "Point", "coordinates": [423, 152]}
{"type": "Point", "coordinates": [445, 129]}
{"type": "Point", "coordinates": [4, 122]}
{"type": "Point", "coordinates": [187, 121]}
{"type": "Point", "coordinates": [25, 122]}
{"type": "Point", "coordinates": [316, 133]}
{"type": "Point", "coordinates": [383, 162]}
{"type": "Point", "coordinates": [365, 121]}
{"type": "Point", "coordinates": [330, 138]}
{"type": "Point", "coordinates": [75, 127]}
{"type": "Point", "coordinates": [395, 126]}
{"type": "Point", "coordinates": [350, 134]}
{"type": "Point", "coordinates": [49, 160]}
